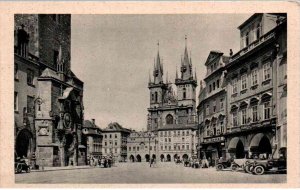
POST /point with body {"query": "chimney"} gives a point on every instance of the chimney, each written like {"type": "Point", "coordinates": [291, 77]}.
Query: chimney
{"type": "Point", "coordinates": [231, 52]}
{"type": "Point", "coordinates": [93, 121]}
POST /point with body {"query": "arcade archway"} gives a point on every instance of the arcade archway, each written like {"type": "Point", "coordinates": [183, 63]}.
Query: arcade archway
{"type": "Point", "coordinates": [185, 157]}
{"type": "Point", "coordinates": [147, 157]}
{"type": "Point", "coordinates": [138, 158]}
{"type": "Point", "coordinates": [24, 143]}
{"type": "Point", "coordinates": [168, 158]}
{"type": "Point", "coordinates": [162, 158]}
{"type": "Point", "coordinates": [131, 158]}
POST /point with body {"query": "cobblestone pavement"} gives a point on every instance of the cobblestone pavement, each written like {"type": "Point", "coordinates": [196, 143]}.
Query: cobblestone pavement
{"type": "Point", "coordinates": [142, 173]}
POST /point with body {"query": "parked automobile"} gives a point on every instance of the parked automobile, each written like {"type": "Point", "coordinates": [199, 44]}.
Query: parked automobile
{"type": "Point", "coordinates": [261, 166]}
{"type": "Point", "coordinates": [223, 163]}
{"type": "Point", "coordinates": [22, 165]}
{"type": "Point", "coordinates": [238, 164]}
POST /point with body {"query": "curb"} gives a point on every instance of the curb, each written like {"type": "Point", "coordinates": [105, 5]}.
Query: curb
{"type": "Point", "coordinates": [49, 170]}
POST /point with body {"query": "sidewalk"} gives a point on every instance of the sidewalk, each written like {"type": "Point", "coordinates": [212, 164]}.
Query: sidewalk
{"type": "Point", "coordinates": [46, 169]}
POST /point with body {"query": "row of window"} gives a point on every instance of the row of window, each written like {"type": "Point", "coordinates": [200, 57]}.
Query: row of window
{"type": "Point", "coordinates": [254, 78]}
{"type": "Point", "coordinates": [30, 104]}
{"type": "Point", "coordinates": [110, 143]}
{"type": "Point", "coordinates": [175, 147]}
{"type": "Point", "coordinates": [30, 75]}
{"type": "Point", "coordinates": [244, 117]}
{"type": "Point", "coordinates": [251, 36]}
{"type": "Point", "coordinates": [215, 85]}
{"type": "Point", "coordinates": [110, 150]}
{"type": "Point", "coordinates": [214, 129]}
{"type": "Point", "coordinates": [97, 148]}
{"type": "Point", "coordinates": [175, 133]}
{"type": "Point", "coordinates": [214, 106]}
{"type": "Point", "coordinates": [110, 136]}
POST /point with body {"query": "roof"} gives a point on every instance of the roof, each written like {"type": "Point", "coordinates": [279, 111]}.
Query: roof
{"type": "Point", "coordinates": [89, 124]}
{"type": "Point", "coordinates": [116, 127]}
{"type": "Point", "coordinates": [50, 73]}
{"type": "Point", "coordinates": [178, 127]}
{"type": "Point", "coordinates": [249, 20]}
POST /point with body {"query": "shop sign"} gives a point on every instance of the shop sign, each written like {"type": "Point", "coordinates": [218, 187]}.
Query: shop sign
{"type": "Point", "coordinates": [215, 139]}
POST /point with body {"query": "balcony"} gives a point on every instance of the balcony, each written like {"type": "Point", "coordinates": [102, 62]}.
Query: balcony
{"type": "Point", "coordinates": [253, 45]}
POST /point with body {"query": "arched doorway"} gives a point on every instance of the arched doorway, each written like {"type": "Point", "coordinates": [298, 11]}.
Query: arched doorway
{"type": "Point", "coordinates": [138, 158]}
{"type": "Point", "coordinates": [153, 156]}
{"type": "Point", "coordinates": [131, 158]}
{"type": "Point", "coordinates": [147, 157]}
{"type": "Point", "coordinates": [239, 151]}
{"type": "Point", "coordinates": [24, 143]}
{"type": "Point", "coordinates": [185, 157]}
{"type": "Point", "coordinates": [176, 156]}
{"type": "Point", "coordinates": [168, 158]}
{"type": "Point", "coordinates": [162, 158]}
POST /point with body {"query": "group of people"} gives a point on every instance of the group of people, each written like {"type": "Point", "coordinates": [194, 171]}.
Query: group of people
{"type": "Point", "coordinates": [106, 162]}
{"type": "Point", "coordinates": [152, 162]}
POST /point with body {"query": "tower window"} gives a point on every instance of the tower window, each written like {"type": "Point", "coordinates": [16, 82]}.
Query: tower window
{"type": "Point", "coordinates": [155, 96]}
{"type": "Point", "coordinates": [184, 93]}
{"type": "Point", "coordinates": [55, 58]}
{"type": "Point", "coordinates": [169, 119]}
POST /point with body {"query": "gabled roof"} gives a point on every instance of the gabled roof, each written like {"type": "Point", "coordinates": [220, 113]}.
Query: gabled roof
{"type": "Point", "coordinates": [212, 56]}
{"type": "Point", "coordinates": [89, 124]}
{"type": "Point", "coordinates": [115, 127]}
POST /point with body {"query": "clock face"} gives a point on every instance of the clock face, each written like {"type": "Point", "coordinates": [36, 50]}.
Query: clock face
{"type": "Point", "coordinates": [43, 131]}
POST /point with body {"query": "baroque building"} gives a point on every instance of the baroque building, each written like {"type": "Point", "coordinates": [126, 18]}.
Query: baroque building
{"type": "Point", "coordinates": [172, 114]}
{"type": "Point", "coordinates": [54, 110]}
{"type": "Point", "coordinates": [115, 141]}
{"type": "Point", "coordinates": [93, 136]}
{"type": "Point", "coordinates": [212, 107]}
{"type": "Point", "coordinates": [256, 89]}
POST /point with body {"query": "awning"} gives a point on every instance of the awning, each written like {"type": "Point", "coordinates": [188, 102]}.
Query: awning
{"type": "Point", "coordinates": [232, 144]}
{"type": "Point", "coordinates": [255, 141]}
{"type": "Point", "coordinates": [266, 96]}
{"type": "Point", "coordinates": [254, 100]}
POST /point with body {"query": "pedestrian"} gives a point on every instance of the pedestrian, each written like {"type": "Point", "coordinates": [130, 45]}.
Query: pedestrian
{"type": "Point", "coordinates": [151, 162]}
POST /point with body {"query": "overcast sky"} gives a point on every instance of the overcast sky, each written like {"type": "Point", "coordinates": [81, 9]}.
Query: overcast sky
{"type": "Point", "coordinates": [113, 55]}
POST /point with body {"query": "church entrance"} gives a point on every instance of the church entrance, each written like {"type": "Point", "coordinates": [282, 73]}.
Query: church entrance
{"type": "Point", "coordinates": [24, 143]}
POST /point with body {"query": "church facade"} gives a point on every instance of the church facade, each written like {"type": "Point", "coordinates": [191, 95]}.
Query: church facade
{"type": "Point", "coordinates": [172, 112]}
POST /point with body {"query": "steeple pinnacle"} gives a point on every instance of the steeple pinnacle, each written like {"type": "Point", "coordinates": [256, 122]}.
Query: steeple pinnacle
{"type": "Point", "coordinates": [176, 73]}
{"type": "Point", "coordinates": [158, 68]}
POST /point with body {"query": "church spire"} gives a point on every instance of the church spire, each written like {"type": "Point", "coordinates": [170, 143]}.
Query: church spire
{"type": "Point", "coordinates": [186, 64]}
{"type": "Point", "coordinates": [158, 68]}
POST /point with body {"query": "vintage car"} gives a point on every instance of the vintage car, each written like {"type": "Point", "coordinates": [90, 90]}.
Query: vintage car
{"type": "Point", "coordinates": [223, 163]}
{"type": "Point", "coordinates": [261, 166]}
{"type": "Point", "coordinates": [238, 164]}
{"type": "Point", "coordinates": [22, 165]}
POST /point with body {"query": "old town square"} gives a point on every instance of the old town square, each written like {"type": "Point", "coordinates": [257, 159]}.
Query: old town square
{"type": "Point", "coordinates": [122, 99]}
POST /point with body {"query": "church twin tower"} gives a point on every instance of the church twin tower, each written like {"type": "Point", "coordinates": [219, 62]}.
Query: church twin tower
{"type": "Point", "coordinates": [168, 109]}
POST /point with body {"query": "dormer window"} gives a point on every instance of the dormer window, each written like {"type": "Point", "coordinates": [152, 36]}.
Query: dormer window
{"type": "Point", "coordinates": [258, 31]}
{"type": "Point", "coordinates": [247, 38]}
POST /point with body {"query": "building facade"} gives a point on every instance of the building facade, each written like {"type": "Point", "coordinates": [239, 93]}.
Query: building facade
{"type": "Point", "coordinates": [212, 107]}
{"type": "Point", "coordinates": [115, 141]}
{"type": "Point", "coordinates": [56, 107]}
{"type": "Point", "coordinates": [141, 146]}
{"type": "Point", "coordinates": [93, 136]}
{"type": "Point", "coordinates": [172, 111]}
{"type": "Point", "coordinates": [255, 76]}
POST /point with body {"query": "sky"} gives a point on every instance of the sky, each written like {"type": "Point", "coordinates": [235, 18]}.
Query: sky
{"type": "Point", "coordinates": [114, 54]}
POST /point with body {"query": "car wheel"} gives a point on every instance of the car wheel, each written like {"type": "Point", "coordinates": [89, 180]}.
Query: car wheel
{"type": "Point", "coordinates": [19, 168]}
{"type": "Point", "coordinates": [219, 167]}
{"type": "Point", "coordinates": [234, 167]}
{"type": "Point", "coordinates": [258, 170]}
{"type": "Point", "coordinates": [28, 170]}
{"type": "Point", "coordinates": [248, 168]}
